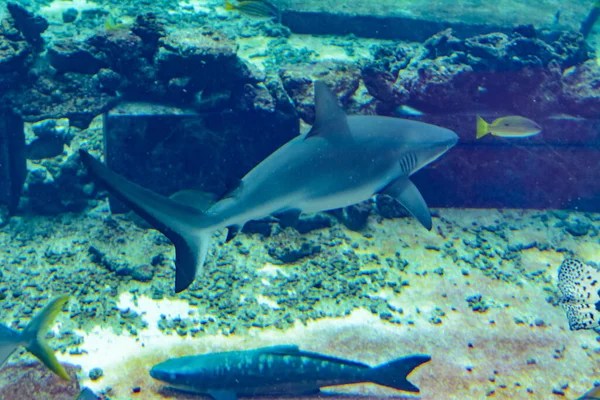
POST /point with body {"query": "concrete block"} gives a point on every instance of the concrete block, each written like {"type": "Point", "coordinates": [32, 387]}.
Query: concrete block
{"type": "Point", "coordinates": [167, 149]}
{"type": "Point", "coordinates": [13, 164]}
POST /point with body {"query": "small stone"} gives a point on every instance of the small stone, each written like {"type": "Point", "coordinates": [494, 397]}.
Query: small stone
{"type": "Point", "coordinates": [143, 273]}
{"type": "Point", "coordinates": [108, 80]}
{"type": "Point", "coordinates": [96, 373]}
{"type": "Point", "coordinates": [70, 15]}
{"type": "Point", "coordinates": [577, 228]}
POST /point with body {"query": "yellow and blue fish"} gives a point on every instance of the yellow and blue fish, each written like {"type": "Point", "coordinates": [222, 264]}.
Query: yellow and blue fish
{"type": "Point", "coordinates": [512, 126]}
{"type": "Point", "coordinates": [254, 8]}
{"type": "Point", "coordinates": [32, 338]}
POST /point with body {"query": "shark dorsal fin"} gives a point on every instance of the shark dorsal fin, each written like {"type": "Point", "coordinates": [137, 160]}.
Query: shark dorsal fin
{"type": "Point", "coordinates": [331, 122]}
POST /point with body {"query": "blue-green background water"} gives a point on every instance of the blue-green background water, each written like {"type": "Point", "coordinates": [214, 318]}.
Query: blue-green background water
{"type": "Point", "coordinates": [193, 96]}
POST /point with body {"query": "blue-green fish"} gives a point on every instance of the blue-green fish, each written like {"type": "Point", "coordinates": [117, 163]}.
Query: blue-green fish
{"type": "Point", "coordinates": [32, 338]}
{"type": "Point", "coordinates": [593, 394]}
{"type": "Point", "coordinates": [279, 371]}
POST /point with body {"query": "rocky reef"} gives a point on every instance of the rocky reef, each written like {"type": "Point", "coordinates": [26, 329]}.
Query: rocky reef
{"type": "Point", "coordinates": [34, 381]}
{"type": "Point", "coordinates": [200, 105]}
{"type": "Point", "coordinates": [521, 71]}
{"type": "Point", "coordinates": [532, 72]}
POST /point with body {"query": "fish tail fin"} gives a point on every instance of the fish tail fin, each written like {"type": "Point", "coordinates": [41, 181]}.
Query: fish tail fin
{"type": "Point", "coordinates": [482, 127]}
{"type": "Point", "coordinates": [181, 223]}
{"type": "Point", "coordinates": [580, 284]}
{"type": "Point", "coordinates": [394, 373]}
{"type": "Point", "coordinates": [34, 333]}
{"type": "Point", "coordinates": [8, 348]}
{"type": "Point", "coordinates": [229, 5]}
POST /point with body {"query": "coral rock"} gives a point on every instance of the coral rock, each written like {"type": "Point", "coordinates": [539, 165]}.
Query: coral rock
{"type": "Point", "coordinates": [581, 92]}
{"type": "Point", "coordinates": [73, 56]}
{"type": "Point", "coordinates": [35, 381]}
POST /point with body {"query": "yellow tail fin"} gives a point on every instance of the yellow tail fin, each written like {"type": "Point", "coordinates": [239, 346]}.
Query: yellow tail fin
{"type": "Point", "coordinates": [482, 127]}
{"type": "Point", "coordinates": [229, 5]}
{"type": "Point", "coordinates": [35, 331]}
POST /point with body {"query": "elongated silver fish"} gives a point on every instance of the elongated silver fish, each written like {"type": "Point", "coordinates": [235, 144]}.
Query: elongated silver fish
{"type": "Point", "coordinates": [32, 338]}
{"type": "Point", "coordinates": [278, 371]}
{"type": "Point", "coordinates": [341, 161]}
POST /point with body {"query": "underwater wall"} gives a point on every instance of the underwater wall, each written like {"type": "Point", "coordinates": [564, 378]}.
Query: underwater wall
{"type": "Point", "coordinates": [209, 176]}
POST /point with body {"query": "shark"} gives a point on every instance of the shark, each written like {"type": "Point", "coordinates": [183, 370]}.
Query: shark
{"type": "Point", "coordinates": [343, 160]}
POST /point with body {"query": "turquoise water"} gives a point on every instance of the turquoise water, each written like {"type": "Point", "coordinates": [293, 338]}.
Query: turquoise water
{"type": "Point", "coordinates": [364, 181]}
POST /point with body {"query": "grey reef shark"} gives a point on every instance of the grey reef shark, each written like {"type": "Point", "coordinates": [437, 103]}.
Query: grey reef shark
{"type": "Point", "coordinates": [343, 160]}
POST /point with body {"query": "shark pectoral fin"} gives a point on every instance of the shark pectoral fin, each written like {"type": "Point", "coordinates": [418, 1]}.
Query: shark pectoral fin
{"type": "Point", "coordinates": [407, 194]}
{"type": "Point", "coordinates": [232, 232]}
{"type": "Point", "coordinates": [331, 122]}
{"type": "Point", "coordinates": [176, 221]}
{"type": "Point", "coordinates": [223, 394]}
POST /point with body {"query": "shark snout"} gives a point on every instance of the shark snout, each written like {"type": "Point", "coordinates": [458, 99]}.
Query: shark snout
{"type": "Point", "coordinates": [451, 140]}
{"type": "Point", "coordinates": [444, 137]}
{"type": "Point", "coordinates": [432, 143]}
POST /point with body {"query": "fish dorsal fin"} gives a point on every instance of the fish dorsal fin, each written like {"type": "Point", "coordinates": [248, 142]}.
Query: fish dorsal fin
{"type": "Point", "coordinates": [331, 122]}
{"type": "Point", "coordinates": [281, 349]}
{"type": "Point", "coordinates": [293, 350]}
{"type": "Point", "coordinates": [324, 357]}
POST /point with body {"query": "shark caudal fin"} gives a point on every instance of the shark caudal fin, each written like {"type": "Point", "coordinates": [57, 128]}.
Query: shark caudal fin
{"type": "Point", "coordinates": [394, 373]}
{"type": "Point", "coordinates": [34, 333]}
{"type": "Point", "coordinates": [580, 287]}
{"type": "Point", "coordinates": [482, 127]}
{"type": "Point", "coordinates": [179, 222]}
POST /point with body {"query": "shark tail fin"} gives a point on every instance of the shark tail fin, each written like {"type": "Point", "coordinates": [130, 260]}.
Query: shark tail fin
{"type": "Point", "coordinates": [482, 127]}
{"type": "Point", "coordinates": [179, 222]}
{"type": "Point", "coordinates": [394, 373]}
{"type": "Point", "coordinates": [580, 287]}
{"type": "Point", "coordinates": [34, 333]}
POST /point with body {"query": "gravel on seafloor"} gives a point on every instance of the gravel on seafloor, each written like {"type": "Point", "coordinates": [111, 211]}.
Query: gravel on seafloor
{"type": "Point", "coordinates": [478, 293]}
